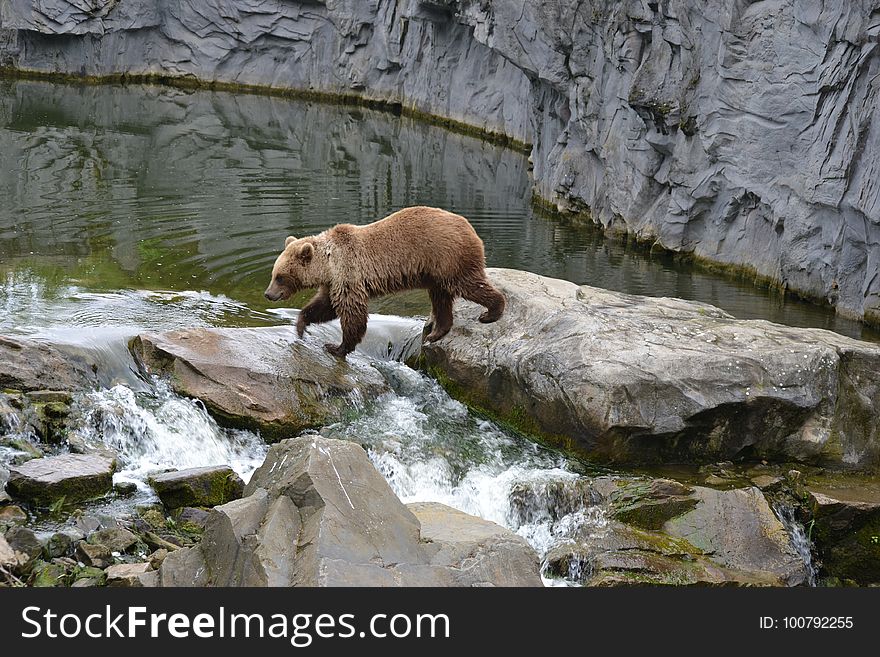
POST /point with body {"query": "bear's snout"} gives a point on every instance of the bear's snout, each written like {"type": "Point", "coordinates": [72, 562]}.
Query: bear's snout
{"type": "Point", "coordinates": [273, 294]}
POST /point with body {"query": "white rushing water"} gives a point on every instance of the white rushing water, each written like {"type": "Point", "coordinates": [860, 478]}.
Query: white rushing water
{"type": "Point", "coordinates": [156, 430]}
{"type": "Point", "coordinates": [431, 448]}
{"type": "Point", "coordinates": [427, 445]}
{"type": "Point", "coordinates": [799, 538]}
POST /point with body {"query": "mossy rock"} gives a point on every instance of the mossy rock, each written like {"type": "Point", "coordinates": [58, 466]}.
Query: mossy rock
{"type": "Point", "coordinates": [46, 575]}
{"type": "Point", "coordinates": [208, 486]}
{"type": "Point", "coordinates": [651, 504]}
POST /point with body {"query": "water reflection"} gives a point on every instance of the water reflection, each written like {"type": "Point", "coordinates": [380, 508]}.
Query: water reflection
{"type": "Point", "coordinates": [111, 191]}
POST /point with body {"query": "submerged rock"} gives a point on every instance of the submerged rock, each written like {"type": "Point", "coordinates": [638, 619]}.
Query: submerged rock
{"type": "Point", "coordinates": [264, 378]}
{"type": "Point", "coordinates": [846, 532]}
{"type": "Point", "coordinates": [207, 486]}
{"type": "Point", "coordinates": [71, 477]}
{"type": "Point", "coordinates": [317, 513]}
{"type": "Point", "coordinates": [622, 378]}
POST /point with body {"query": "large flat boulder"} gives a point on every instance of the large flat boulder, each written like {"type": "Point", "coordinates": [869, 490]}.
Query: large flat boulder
{"type": "Point", "coordinates": [318, 513]}
{"type": "Point", "coordinates": [628, 379]}
{"type": "Point", "coordinates": [73, 477]}
{"type": "Point", "coordinates": [261, 378]}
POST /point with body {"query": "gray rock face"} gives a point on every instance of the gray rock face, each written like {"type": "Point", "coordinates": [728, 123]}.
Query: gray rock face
{"type": "Point", "coordinates": [746, 134]}
{"type": "Point", "coordinates": [206, 486]}
{"type": "Point", "coordinates": [622, 378]}
{"type": "Point", "coordinates": [74, 477]}
{"type": "Point", "coordinates": [317, 513]}
{"type": "Point", "coordinates": [263, 378]}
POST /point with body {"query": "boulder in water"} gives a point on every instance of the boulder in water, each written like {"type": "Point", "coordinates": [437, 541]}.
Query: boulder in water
{"type": "Point", "coordinates": [264, 379]}
{"type": "Point", "coordinates": [317, 513]}
{"type": "Point", "coordinates": [629, 379]}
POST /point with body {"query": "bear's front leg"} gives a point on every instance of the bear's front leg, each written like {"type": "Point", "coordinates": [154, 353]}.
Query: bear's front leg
{"type": "Point", "coordinates": [351, 304]}
{"type": "Point", "coordinates": [318, 310]}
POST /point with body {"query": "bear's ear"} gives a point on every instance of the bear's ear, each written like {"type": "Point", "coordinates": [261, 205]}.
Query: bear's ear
{"type": "Point", "coordinates": [306, 252]}
{"type": "Point", "coordinates": [289, 240]}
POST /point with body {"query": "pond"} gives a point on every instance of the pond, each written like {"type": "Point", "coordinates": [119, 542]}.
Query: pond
{"type": "Point", "coordinates": [121, 201]}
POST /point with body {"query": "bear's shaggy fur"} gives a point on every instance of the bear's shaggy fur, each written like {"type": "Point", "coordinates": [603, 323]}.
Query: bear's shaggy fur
{"type": "Point", "coordinates": [417, 247]}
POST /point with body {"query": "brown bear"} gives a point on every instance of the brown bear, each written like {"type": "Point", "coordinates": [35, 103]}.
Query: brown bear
{"type": "Point", "coordinates": [417, 247]}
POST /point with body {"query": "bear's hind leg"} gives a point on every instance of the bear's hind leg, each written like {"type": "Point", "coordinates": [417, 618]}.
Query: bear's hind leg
{"type": "Point", "coordinates": [316, 311]}
{"type": "Point", "coordinates": [483, 293]}
{"type": "Point", "coordinates": [441, 314]}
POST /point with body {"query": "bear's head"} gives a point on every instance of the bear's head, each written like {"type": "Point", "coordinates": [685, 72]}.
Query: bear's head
{"type": "Point", "coordinates": [295, 269]}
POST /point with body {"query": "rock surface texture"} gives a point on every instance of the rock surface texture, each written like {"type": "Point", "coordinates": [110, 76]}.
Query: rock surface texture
{"type": "Point", "coordinates": [317, 513]}
{"type": "Point", "coordinates": [745, 133]}
{"type": "Point", "coordinates": [264, 378]}
{"type": "Point", "coordinates": [623, 378]}
{"type": "Point", "coordinates": [71, 477]}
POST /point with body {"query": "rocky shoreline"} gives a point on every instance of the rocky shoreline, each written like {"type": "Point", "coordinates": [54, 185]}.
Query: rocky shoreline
{"type": "Point", "coordinates": [661, 121]}
{"type": "Point", "coordinates": [777, 426]}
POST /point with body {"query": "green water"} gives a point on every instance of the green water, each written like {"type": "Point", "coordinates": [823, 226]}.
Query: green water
{"type": "Point", "coordinates": [152, 207]}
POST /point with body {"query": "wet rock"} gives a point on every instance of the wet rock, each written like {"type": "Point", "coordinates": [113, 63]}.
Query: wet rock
{"type": "Point", "coordinates": [25, 543]}
{"type": "Point", "coordinates": [4, 477]}
{"type": "Point", "coordinates": [649, 504]}
{"type": "Point", "coordinates": [317, 513]}
{"type": "Point", "coordinates": [28, 365]}
{"type": "Point", "coordinates": [192, 520]}
{"type": "Point", "coordinates": [739, 529]}
{"type": "Point", "coordinates": [263, 378]}
{"type": "Point", "coordinates": [61, 544]}
{"type": "Point", "coordinates": [663, 532]}
{"type": "Point", "coordinates": [208, 486]}
{"type": "Point", "coordinates": [125, 488]}
{"type": "Point", "coordinates": [50, 419]}
{"type": "Point", "coordinates": [128, 574]}
{"type": "Point", "coordinates": [116, 539]}
{"type": "Point", "coordinates": [621, 555]}
{"type": "Point", "coordinates": [767, 482]}
{"type": "Point", "coordinates": [12, 515]}
{"type": "Point", "coordinates": [71, 477]}
{"type": "Point", "coordinates": [95, 555]}
{"type": "Point", "coordinates": [622, 378]}
{"type": "Point", "coordinates": [77, 444]}
{"type": "Point", "coordinates": [846, 532]}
